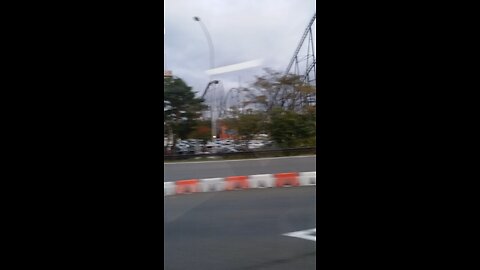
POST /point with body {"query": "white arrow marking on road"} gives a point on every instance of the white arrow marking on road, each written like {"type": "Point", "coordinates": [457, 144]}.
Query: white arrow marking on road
{"type": "Point", "coordinates": [305, 234]}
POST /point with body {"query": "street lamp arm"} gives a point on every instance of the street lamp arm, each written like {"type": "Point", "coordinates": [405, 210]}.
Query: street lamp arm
{"type": "Point", "coordinates": [208, 86]}
{"type": "Point", "coordinates": [205, 91]}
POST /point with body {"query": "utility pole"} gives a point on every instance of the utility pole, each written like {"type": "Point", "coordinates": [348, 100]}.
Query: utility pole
{"type": "Point", "coordinates": [212, 65]}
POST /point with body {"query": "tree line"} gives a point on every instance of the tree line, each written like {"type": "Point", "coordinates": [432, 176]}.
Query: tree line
{"type": "Point", "coordinates": [277, 104]}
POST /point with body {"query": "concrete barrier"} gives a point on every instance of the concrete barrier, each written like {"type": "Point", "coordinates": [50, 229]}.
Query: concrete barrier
{"type": "Point", "coordinates": [187, 186]}
{"type": "Point", "coordinates": [168, 188]}
{"type": "Point", "coordinates": [236, 182]}
{"type": "Point", "coordinates": [212, 184]}
{"type": "Point", "coordinates": [289, 179]}
{"type": "Point", "coordinates": [261, 180]}
{"type": "Point", "coordinates": [308, 178]}
{"type": "Point", "coordinates": [286, 179]}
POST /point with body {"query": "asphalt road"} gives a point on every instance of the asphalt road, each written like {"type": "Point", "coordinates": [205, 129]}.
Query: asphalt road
{"type": "Point", "coordinates": [208, 169]}
{"type": "Point", "coordinates": [240, 230]}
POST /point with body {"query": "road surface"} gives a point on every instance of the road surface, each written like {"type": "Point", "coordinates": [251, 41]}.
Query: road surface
{"type": "Point", "coordinates": [208, 169]}
{"type": "Point", "coordinates": [241, 230]}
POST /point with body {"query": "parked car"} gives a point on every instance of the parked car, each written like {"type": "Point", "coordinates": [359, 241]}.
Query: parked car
{"type": "Point", "coordinates": [227, 149]}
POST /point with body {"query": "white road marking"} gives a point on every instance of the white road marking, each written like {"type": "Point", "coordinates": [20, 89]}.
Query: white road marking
{"type": "Point", "coordinates": [235, 160]}
{"type": "Point", "coordinates": [305, 234]}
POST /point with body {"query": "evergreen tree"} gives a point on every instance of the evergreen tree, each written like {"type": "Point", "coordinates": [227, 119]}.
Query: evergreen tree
{"type": "Point", "coordinates": [181, 108]}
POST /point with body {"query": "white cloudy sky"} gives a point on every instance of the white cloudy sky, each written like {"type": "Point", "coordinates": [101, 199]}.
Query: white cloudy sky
{"type": "Point", "coordinates": [241, 30]}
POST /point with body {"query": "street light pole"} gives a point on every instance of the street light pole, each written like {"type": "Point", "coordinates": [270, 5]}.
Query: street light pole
{"type": "Point", "coordinates": [211, 108]}
{"type": "Point", "coordinates": [212, 65]}
{"type": "Point", "coordinates": [209, 40]}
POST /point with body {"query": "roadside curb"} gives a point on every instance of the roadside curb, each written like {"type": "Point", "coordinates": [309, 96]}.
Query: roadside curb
{"type": "Point", "coordinates": [233, 160]}
{"type": "Point", "coordinates": [287, 179]}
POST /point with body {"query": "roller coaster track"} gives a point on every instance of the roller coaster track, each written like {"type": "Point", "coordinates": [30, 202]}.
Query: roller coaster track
{"type": "Point", "coordinates": [295, 58]}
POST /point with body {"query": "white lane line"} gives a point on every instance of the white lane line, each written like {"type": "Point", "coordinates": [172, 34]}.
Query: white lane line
{"type": "Point", "coordinates": [305, 234]}
{"type": "Point", "coordinates": [236, 160]}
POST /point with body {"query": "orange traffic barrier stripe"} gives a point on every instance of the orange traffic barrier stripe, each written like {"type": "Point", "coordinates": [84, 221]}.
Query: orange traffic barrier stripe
{"type": "Point", "coordinates": [186, 186]}
{"type": "Point", "coordinates": [284, 179]}
{"type": "Point", "coordinates": [233, 182]}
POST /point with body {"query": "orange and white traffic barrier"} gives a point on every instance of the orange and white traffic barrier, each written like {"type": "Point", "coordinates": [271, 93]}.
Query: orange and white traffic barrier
{"type": "Point", "coordinates": [212, 184]}
{"type": "Point", "coordinates": [286, 179]}
{"type": "Point", "coordinates": [308, 178]}
{"type": "Point", "coordinates": [261, 180]}
{"type": "Point", "coordinates": [168, 188]}
{"type": "Point", "coordinates": [187, 186]}
{"type": "Point", "coordinates": [240, 182]}
{"type": "Point", "coordinates": [236, 182]}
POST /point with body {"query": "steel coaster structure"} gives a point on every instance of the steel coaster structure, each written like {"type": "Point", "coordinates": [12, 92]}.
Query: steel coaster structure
{"type": "Point", "coordinates": [306, 70]}
{"type": "Point", "coordinates": [303, 64]}
{"type": "Point", "coordinates": [235, 97]}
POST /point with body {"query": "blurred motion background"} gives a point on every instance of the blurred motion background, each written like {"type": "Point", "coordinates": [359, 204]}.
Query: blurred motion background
{"type": "Point", "coordinates": [262, 96]}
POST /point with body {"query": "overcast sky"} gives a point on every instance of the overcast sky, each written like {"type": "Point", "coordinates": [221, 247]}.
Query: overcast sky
{"type": "Point", "coordinates": [241, 30]}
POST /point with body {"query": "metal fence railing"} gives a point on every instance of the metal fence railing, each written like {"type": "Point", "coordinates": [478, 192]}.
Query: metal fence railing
{"type": "Point", "coordinates": [246, 154]}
